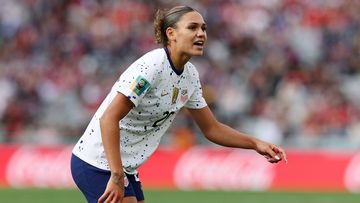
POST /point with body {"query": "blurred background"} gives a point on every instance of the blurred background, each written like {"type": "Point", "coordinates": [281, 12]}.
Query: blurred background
{"type": "Point", "coordinates": [286, 71]}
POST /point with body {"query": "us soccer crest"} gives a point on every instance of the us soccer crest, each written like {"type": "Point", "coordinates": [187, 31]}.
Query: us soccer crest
{"type": "Point", "coordinates": [184, 96]}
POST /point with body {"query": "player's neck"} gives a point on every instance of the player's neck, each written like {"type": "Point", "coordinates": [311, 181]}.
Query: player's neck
{"type": "Point", "coordinates": [177, 58]}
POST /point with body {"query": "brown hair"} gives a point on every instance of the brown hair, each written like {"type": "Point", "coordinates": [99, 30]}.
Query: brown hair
{"type": "Point", "coordinates": [168, 18]}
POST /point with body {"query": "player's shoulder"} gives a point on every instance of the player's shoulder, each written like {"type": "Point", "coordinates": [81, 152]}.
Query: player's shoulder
{"type": "Point", "coordinates": [190, 65]}
{"type": "Point", "coordinates": [154, 55]}
{"type": "Point", "coordinates": [191, 69]}
{"type": "Point", "coordinates": [148, 62]}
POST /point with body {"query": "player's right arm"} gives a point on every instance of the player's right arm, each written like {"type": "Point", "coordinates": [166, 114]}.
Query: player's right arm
{"type": "Point", "coordinates": [109, 125]}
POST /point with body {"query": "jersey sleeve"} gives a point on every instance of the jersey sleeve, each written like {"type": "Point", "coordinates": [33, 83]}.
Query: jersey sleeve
{"type": "Point", "coordinates": [196, 100]}
{"type": "Point", "coordinates": [136, 81]}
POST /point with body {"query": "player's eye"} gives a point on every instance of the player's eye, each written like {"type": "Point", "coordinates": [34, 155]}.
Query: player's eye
{"type": "Point", "coordinates": [192, 27]}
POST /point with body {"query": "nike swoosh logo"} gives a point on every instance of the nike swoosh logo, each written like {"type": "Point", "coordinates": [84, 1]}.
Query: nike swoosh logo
{"type": "Point", "coordinates": [164, 94]}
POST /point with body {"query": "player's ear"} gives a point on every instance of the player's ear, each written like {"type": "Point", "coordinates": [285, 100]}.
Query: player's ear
{"type": "Point", "coordinates": [170, 33]}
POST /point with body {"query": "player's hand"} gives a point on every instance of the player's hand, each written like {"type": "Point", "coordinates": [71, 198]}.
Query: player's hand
{"type": "Point", "coordinates": [114, 192]}
{"type": "Point", "coordinates": [271, 152]}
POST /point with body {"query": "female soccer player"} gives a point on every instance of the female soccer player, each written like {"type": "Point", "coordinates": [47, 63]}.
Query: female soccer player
{"type": "Point", "coordinates": [128, 126]}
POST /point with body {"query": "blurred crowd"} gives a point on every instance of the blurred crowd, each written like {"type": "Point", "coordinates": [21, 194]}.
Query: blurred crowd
{"type": "Point", "coordinates": [287, 71]}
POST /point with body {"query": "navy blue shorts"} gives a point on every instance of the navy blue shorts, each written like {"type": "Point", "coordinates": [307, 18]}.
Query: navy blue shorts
{"type": "Point", "coordinates": [92, 181]}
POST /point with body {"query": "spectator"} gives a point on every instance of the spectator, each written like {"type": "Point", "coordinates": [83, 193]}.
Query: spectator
{"type": "Point", "coordinates": [292, 66]}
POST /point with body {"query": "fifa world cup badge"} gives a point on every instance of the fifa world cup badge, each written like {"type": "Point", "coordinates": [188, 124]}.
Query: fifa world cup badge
{"type": "Point", "coordinates": [140, 85]}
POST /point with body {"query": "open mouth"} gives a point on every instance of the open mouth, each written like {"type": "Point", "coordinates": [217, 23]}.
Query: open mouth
{"type": "Point", "coordinates": [199, 43]}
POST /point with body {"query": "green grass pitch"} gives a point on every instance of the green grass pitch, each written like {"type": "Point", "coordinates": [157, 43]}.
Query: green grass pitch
{"type": "Point", "coordinates": [174, 196]}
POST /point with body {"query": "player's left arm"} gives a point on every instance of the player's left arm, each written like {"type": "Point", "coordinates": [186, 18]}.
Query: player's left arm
{"type": "Point", "coordinates": [224, 135]}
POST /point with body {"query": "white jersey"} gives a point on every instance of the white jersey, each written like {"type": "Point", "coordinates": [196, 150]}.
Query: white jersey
{"type": "Point", "coordinates": [158, 92]}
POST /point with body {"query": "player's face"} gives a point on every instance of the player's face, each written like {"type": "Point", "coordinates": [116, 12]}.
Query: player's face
{"type": "Point", "coordinates": [190, 34]}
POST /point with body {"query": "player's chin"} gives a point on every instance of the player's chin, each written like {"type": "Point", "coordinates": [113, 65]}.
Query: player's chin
{"type": "Point", "coordinates": [197, 52]}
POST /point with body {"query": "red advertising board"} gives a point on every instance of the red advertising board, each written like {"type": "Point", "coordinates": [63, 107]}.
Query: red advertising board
{"type": "Point", "coordinates": [315, 170]}
{"type": "Point", "coordinates": [197, 168]}
{"type": "Point", "coordinates": [35, 166]}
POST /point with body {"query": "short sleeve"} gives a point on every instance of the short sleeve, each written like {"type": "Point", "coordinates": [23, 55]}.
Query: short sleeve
{"type": "Point", "coordinates": [136, 81]}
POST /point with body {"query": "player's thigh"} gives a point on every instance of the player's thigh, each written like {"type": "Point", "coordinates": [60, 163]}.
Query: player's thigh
{"type": "Point", "coordinates": [131, 199]}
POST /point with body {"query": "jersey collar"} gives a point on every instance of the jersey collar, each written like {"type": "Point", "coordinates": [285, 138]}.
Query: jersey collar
{"type": "Point", "coordinates": [171, 63]}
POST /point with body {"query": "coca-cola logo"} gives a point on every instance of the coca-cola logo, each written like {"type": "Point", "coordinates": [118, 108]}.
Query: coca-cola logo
{"type": "Point", "coordinates": [40, 167]}
{"type": "Point", "coordinates": [201, 168]}
{"type": "Point", "coordinates": [352, 174]}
